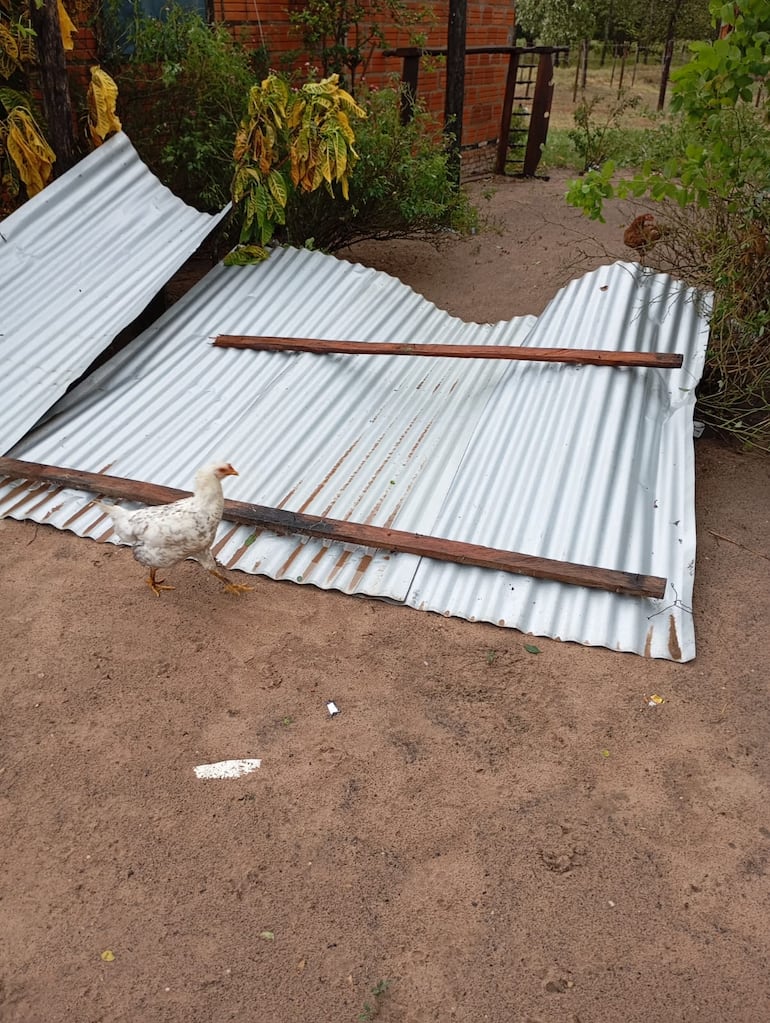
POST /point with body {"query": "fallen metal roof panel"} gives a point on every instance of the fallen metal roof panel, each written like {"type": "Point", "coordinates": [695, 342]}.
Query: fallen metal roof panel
{"type": "Point", "coordinates": [582, 463]}
{"type": "Point", "coordinates": [78, 263]}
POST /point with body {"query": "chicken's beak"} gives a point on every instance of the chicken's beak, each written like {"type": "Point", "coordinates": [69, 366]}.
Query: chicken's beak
{"type": "Point", "coordinates": [230, 471]}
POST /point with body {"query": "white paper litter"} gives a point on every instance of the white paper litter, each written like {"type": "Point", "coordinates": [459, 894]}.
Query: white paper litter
{"type": "Point", "coordinates": [227, 769]}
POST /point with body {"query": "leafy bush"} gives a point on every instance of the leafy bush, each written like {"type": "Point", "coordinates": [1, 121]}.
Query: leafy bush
{"type": "Point", "coordinates": [25, 156]}
{"type": "Point", "coordinates": [291, 143]}
{"type": "Point", "coordinates": [394, 181]}
{"type": "Point", "coordinates": [183, 91]}
{"type": "Point", "coordinates": [401, 187]}
{"type": "Point", "coordinates": [342, 35]}
{"type": "Point", "coordinates": [714, 198]}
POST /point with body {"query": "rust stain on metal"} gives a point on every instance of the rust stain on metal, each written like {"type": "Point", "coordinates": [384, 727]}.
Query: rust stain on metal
{"type": "Point", "coordinates": [673, 640]}
{"type": "Point", "coordinates": [314, 493]}
{"type": "Point", "coordinates": [22, 486]}
{"type": "Point", "coordinates": [363, 565]}
{"type": "Point", "coordinates": [361, 534]}
{"type": "Point", "coordinates": [250, 539]}
{"type": "Point", "coordinates": [289, 561]}
{"type": "Point", "coordinates": [337, 567]}
{"type": "Point", "coordinates": [225, 539]}
{"type": "Point", "coordinates": [29, 494]}
{"type": "Point", "coordinates": [648, 642]}
{"type": "Point", "coordinates": [53, 492]}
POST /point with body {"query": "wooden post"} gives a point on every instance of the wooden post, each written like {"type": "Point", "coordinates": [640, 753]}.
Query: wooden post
{"type": "Point", "coordinates": [668, 53]}
{"type": "Point", "coordinates": [505, 119]}
{"type": "Point", "coordinates": [578, 62]}
{"type": "Point", "coordinates": [541, 111]}
{"type": "Point", "coordinates": [410, 75]}
{"type": "Point", "coordinates": [281, 521]}
{"type": "Point", "coordinates": [455, 86]}
{"type": "Point", "coordinates": [54, 84]}
{"type": "Point", "coordinates": [586, 53]}
{"type": "Point", "coordinates": [622, 68]}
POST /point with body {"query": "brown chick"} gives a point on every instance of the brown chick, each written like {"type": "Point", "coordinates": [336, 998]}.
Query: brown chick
{"type": "Point", "coordinates": [167, 534]}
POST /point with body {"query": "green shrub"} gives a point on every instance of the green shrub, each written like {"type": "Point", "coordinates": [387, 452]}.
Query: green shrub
{"type": "Point", "coordinates": [713, 196]}
{"type": "Point", "coordinates": [183, 87]}
{"type": "Point", "coordinates": [400, 188]}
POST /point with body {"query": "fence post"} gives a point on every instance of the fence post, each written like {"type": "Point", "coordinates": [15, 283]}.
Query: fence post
{"type": "Point", "coordinates": [505, 120]}
{"type": "Point", "coordinates": [541, 111]}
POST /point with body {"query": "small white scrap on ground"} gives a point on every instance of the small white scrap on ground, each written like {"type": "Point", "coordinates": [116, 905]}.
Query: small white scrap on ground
{"type": "Point", "coordinates": [227, 769]}
{"type": "Point", "coordinates": [333, 709]}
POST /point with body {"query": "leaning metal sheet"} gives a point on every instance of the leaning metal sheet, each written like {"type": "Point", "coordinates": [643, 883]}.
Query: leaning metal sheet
{"type": "Point", "coordinates": [590, 464]}
{"type": "Point", "coordinates": [78, 262]}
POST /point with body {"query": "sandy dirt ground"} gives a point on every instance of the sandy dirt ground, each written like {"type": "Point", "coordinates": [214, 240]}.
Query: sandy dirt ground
{"type": "Point", "coordinates": [482, 833]}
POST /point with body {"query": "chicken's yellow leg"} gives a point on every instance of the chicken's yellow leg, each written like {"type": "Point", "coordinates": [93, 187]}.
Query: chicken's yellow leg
{"type": "Point", "coordinates": [237, 588]}
{"type": "Point", "coordinates": [156, 585]}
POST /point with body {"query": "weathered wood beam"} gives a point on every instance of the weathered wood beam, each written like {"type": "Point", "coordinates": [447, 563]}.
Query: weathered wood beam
{"type": "Point", "coordinates": [279, 520]}
{"type": "Point", "coordinates": [588, 356]}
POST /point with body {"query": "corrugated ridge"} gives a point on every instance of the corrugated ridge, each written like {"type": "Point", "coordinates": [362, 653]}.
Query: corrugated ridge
{"type": "Point", "coordinates": [556, 460]}
{"type": "Point", "coordinates": [79, 262]}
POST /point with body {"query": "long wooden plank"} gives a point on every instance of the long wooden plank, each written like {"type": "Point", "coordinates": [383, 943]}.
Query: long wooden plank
{"type": "Point", "coordinates": [585, 356]}
{"type": "Point", "coordinates": [281, 521]}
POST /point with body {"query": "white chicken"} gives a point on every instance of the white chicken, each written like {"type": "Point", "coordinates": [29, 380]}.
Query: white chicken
{"type": "Point", "coordinates": [164, 535]}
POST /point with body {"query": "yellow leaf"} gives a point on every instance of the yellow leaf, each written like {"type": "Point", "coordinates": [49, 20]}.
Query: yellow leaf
{"type": "Point", "coordinates": [66, 26]}
{"type": "Point", "coordinates": [9, 51]}
{"type": "Point", "coordinates": [102, 97]}
{"type": "Point", "coordinates": [33, 157]}
{"type": "Point", "coordinates": [108, 956]}
{"type": "Point", "coordinates": [277, 187]}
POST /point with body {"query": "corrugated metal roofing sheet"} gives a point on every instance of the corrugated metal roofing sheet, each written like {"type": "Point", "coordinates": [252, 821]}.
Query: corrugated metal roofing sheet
{"type": "Point", "coordinates": [587, 464]}
{"type": "Point", "coordinates": [78, 262]}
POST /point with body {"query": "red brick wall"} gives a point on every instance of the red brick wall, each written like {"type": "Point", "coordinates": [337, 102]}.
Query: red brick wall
{"type": "Point", "coordinates": [490, 23]}
{"type": "Point", "coordinates": [266, 22]}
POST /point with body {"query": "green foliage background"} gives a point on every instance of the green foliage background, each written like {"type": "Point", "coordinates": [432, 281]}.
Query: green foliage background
{"type": "Point", "coordinates": [713, 194]}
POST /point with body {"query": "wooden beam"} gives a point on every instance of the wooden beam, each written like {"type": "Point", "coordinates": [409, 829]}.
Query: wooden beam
{"type": "Point", "coordinates": [279, 520]}
{"type": "Point", "coordinates": [589, 356]}
{"type": "Point", "coordinates": [454, 95]}
{"type": "Point", "coordinates": [504, 139]}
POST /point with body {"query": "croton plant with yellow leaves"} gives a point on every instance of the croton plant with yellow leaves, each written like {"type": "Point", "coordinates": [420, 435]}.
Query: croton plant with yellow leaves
{"type": "Point", "coordinates": [291, 141]}
{"type": "Point", "coordinates": [25, 155]}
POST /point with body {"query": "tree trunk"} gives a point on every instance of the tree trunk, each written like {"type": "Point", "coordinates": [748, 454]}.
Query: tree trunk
{"type": "Point", "coordinates": [668, 52]}
{"type": "Point", "coordinates": [586, 51]}
{"type": "Point", "coordinates": [606, 39]}
{"type": "Point", "coordinates": [455, 85]}
{"type": "Point", "coordinates": [54, 84]}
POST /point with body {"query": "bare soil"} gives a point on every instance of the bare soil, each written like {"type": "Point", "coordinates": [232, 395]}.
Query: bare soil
{"type": "Point", "coordinates": [482, 833]}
